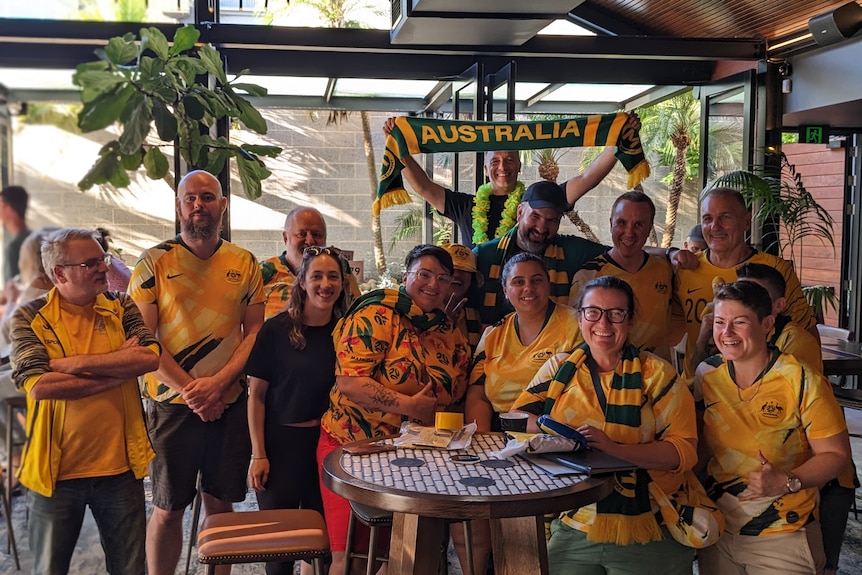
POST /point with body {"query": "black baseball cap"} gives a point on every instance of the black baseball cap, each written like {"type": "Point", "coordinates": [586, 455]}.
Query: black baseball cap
{"type": "Point", "coordinates": [546, 194]}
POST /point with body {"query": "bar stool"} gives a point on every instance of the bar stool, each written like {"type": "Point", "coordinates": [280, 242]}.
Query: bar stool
{"type": "Point", "coordinates": [374, 519]}
{"type": "Point", "coordinates": [261, 536]}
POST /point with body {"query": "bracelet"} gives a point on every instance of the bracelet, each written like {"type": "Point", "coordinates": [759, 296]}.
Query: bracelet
{"type": "Point", "coordinates": [669, 252]}
{"type": "Point", "coordinates": [253, 458]}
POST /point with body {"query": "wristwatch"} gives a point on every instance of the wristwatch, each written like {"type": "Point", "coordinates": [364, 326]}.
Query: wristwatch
{"type": "Point", "coordinates": [793, 484]}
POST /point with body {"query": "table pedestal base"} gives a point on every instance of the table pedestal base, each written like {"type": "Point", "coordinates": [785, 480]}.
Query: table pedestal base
{"type": "Point", "coordinates": [518, 545]}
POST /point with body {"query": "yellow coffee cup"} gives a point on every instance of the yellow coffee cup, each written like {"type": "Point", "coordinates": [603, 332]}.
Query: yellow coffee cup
{"type": "Point", "coordinates": [448, 420]}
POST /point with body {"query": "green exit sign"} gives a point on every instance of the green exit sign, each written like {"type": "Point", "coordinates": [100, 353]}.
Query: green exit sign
{"type": "Point", "coordinates": [814, 134]}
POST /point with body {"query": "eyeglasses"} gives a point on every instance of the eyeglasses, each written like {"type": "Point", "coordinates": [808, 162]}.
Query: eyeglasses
{"type": "Point", "coordinates": [90, 263]}
{"type": "Point", "coordinates": [594, 314]}
{"type": "Point", "coordinates": [427, 276]}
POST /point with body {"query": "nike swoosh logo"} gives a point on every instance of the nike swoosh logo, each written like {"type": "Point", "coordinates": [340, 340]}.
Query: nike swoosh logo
{"type": "Point", "coordinates": [170, 277]}
{"type": "Point", "coordinates": [689, 291]}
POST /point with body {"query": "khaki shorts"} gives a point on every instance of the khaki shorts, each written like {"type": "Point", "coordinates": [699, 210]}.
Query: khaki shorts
{"type": "Point", "coordinates": [798, 552]}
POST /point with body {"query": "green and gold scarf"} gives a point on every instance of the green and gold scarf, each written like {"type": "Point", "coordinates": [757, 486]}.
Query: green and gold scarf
{"type": "Point", "coordinates": [399, 301]}
{"type": "Point", "coordinates": [624, 516]}
{"type": "Point", "coordinates": [421, 135]}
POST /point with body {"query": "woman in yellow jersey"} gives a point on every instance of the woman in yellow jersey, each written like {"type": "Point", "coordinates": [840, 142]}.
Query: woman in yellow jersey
{"type": "Point", "coordinates": [773, 433]}
{"type": "Point", "coordinates": [629, 404]}
{"type": "Point", "coordinates": [509, 355]}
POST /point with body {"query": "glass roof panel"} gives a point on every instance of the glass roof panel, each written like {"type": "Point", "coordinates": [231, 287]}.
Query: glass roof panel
{"type": "Point", "coordinates": [289, 85]}
{"type": "Point", "coordinates": [565, 28]}
{"type": "Point", "coordinates": [597, 92]}
{"type": "Point", "coordinates": [384, 88]}
{"type": "Point", "coordinates": [32, 79]}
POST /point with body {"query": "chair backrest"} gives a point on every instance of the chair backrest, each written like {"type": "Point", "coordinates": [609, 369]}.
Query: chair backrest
{"type": "Point", "coordinates": [836, 332]}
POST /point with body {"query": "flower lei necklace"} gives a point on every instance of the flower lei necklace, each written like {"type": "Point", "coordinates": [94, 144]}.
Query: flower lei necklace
{"type": "Point", "coordinates": [481, 205]}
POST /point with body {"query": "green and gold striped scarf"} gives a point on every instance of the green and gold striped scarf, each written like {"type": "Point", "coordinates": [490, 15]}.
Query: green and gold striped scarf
{"type": "Point", "coordinates": [412, 136]}
{"type": "Point", "coordinates": [554, 257]}
{"type": "Point", "coordinates": [399, 301]}
{"type": "Point", "coordinates": [624, 516]}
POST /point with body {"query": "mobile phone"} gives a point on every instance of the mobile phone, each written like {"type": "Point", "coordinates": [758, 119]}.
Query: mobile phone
{"type": "Point", "coordinates": [464, 458]}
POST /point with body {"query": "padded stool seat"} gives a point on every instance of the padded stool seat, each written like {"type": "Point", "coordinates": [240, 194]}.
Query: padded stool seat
{"type": "Point", "coordinates": [374, 519]}
{"type": "Point", "coordinates": [260, 536]}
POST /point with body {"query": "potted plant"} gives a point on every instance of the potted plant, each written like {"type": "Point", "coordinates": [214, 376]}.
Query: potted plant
{"type": "Point", "coordinates": [149, 81]}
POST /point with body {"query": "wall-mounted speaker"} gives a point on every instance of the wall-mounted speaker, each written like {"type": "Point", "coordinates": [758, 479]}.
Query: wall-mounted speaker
{"type": "Point", "coordinates": [837, 25]}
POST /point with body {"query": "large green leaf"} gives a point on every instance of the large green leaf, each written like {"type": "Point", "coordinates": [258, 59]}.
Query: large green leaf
{"type": "Point", "coordinates": [156, 163]}
{"type": "Point", "coordinates": [166, 123]}
{"type": "Point", "coordinates": [137, 126]}
{"type": "Point", "coordinates": [184, 39]}
{"type": "Point", "coordinates": [251, 172]}
{"type": "Point", "coordinates": [119, 178]}
{"type": "Point", "coordinates": [251, 89]}
{"type": "Point", "coordinates": [269, 151]}
{"type": "Point", "coordinates": [132, 161]}
{"type": "Point", "coordinates": [95, 82]}
{"type": "Point", "coordinates": [249, 115]}
{"type": "Point", "coordinates": [120, 51]}
{"type": "Point", "coordinates": [212, 61]}
{"type": "Point", "coordinates": [104, 110]}
{"type": "Point", "coordinates": [103, 169]}
{"type": "Point", "coordinates": [153, 39]}
{"type": "Point", "coordinates": [188, 68]}
{"type": "Point", "coordinates": [193, 107]}
{"type": "Point", "coordinates": [151, 70]}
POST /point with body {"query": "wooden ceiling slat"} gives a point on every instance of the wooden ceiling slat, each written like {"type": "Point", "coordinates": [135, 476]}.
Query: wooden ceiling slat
{"type": "Point", "coordinates": [717, 19]}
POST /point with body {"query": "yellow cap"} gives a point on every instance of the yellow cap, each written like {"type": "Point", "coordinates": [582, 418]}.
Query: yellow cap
{"type": "Point", "coordinates": [464, 259]}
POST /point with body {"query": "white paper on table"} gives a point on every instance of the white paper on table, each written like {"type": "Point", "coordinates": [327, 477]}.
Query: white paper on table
{"type": "Point", "coordinates": [415, 435]}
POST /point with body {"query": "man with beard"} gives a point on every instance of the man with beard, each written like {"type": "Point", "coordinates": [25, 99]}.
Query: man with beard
{"type": "Point", "coordinates": [303, 227]}
{"type": "Point", "coordinates": [77, 353]}
{"type": "Point", "coordinates": [539, 216]}
{"type": "Point", "coordinates": [203, 298]}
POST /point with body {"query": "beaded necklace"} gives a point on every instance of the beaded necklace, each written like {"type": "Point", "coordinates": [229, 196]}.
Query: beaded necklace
{"type": "Point", "coordinates": [481, 205]}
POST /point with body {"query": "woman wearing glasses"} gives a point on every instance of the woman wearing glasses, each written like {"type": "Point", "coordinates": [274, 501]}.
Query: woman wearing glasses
{"type": "Point", "coordinates": [291, 369]}
{"type": "Point", "coordinates": [399, 357]}
{"type": "Point", "coordinates": [773, 434]}
{"type": "Point", "coordinates": [629, 404]}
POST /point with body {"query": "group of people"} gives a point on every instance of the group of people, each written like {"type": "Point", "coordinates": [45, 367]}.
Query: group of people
{"type": "Point", "coordinates": [254, 372]}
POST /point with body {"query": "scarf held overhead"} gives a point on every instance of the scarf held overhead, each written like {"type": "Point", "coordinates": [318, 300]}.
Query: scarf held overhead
{"type": "Point", "coordinates": [420, 135]}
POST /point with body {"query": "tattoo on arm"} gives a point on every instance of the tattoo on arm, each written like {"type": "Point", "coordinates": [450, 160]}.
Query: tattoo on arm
{"type": "Point", "coordinates": [379, 396]}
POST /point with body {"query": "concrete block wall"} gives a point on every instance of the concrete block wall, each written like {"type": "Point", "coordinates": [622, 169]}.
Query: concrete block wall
{"type": "Point", "coordinates": [321, 165]}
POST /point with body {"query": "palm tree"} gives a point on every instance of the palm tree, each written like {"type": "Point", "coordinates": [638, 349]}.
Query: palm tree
{"type": "Point", "coordinates": [673, 129]}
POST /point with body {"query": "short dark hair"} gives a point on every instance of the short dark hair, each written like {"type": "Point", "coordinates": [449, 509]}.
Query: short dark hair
{"type": "Point", "coordinates": [436, 252]}
{"type": "Point", "coordinates": [637, 198]}
{"type": "Point", "coordinates": [518, 258]}
{"type": "Point", "coordinates": [767, 274]}
{"type": "Point", "coordinates": [609, 282]}
{"type": "Point", "coordinates": [16, 198]}
{"type": "Point", "coordinates": [753, 296]}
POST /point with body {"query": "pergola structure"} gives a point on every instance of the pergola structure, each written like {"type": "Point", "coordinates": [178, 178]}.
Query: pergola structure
{"type": "Point", "coordinates": [766, 62]}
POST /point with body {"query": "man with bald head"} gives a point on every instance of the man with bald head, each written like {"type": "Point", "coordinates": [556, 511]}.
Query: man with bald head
{"type": "Point", "coordinates": [493, 210]}
{"type": "Point", "coordinates": [303, 227]}
{"type": "Point", "coordinates": [203, 298]}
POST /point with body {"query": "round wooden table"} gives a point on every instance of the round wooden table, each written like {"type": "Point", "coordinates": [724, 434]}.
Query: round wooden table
{"type": "Point", "coordinates": [424, 489]}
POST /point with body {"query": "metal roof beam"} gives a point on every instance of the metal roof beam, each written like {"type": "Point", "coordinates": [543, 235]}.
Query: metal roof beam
{"type": "Point", "coordinates": [543, 93]}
